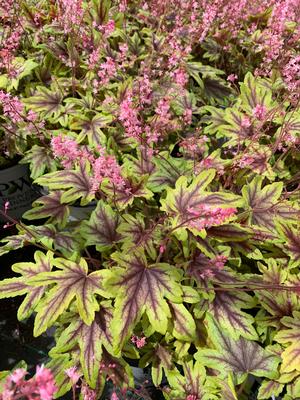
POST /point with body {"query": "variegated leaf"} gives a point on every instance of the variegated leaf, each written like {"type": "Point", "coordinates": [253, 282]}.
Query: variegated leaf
{"type": "Point", "coordinates": [19, 286]}
{"type": "Point", "coordinates": [240, 356]}
{"type": "Point", "coordinates": [101, 229]}
{"type": "Point", "coordinates": [139, 288]}
{"type": "Point", "coordinates": [71, 281]}
{"type": "Point", "coordinates": [77, 184]}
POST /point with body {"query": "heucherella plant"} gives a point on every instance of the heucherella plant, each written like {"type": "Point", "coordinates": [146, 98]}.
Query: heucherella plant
{"type": "Point", "coordinates": [172, 130]}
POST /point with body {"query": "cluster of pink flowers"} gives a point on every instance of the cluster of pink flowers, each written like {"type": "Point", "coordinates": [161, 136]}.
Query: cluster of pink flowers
{"type": "Point", "coordinates": [212, 266]}
{"type": "Point", "coordinates": [194, 145]}
{"type": "Point", "coordinates": [259, 112]}
{"type": "Point", "coordinates": [107, 70]}
{"type": "Point", "coordinates": [40, 387]}
{"type": "Point", "coordinates": [129, 117]}
{"type": "Point", "coordinates": [291, 75]}
{"type": "Point", "coordinates": [139, 341]}
{"type": "Point", "coordinates": [71, 14]}
{"type": "Point", "coordinates": [106, 166]}
{"type": "Point", "coordinates": [191, 397]}
{"type": "Point", "coordinates": [66, 149]}
{"type": "Point", "coordinates": [204, 216]}
{"type": "Point", "coordinates": [12, 107]}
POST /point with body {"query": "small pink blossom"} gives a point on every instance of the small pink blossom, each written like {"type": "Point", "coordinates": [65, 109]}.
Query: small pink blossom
{"type": "Point", "coordinates": [139, 342]}
{"type": "Point", "coordinates": [73, 374]}
{"type": "Point", "coordinates": [259, 111]}
{"type": "Point", "coordinates": [232, 78]}
{"type": "Point", "coordinates": [114, 396]}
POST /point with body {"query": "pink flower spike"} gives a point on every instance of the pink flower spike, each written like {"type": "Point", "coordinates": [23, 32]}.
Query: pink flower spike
{"type": "Point", "coordinates": [17, 375]}
{"type": "Point", "coordinates": [232, 78]}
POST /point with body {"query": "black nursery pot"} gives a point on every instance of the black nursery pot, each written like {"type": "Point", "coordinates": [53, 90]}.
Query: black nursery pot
{"type": "Point", "coordinates": [16, 188]}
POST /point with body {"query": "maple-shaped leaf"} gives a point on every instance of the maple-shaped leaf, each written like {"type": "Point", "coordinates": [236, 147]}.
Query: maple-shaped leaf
{"type": "Point", "coordinates": [18, 286]}
{"type": "Point", "coordinates": [192, 207]}
{"type": "Point", "coordinates": [254, 93]}
{"type": "Point", "coordinates": [77, 184]}
{"type": "Point", "coordinates": [14, 242]}
{"type": "Point", "coordinates": [49, 206]}
{"type": "Point", "coordinates": [140, 287]}
{"type": "Point", "coordinates": [90, 339]}
{"type": "Point", "coordinates": [291, 244]}
{"type": "Point", "coordinates": [167, 170]}
{"type": "Point", "coordinates": [269, 388]}
{"type": "Point", "coordinates": [72, 280]}
{"type": "Point", "coordinates": [264, 206]}
{"type": "Point", "coordinates": [214, 121]}
{"type": "Point", "coordinates": [101, 229]}
{"type": "Point", "coordinates": [190, 383]}
{"type": "Point", "coordinates": [40, 160]}
{"type": "Point", "coordinates": [47, 102]}
{"type": "Point", "coordinates": [91, 128]}
{"type": "Point", "coordinates": [237, 127]}
{"type": "Point", "coordinates": [136, 235]}
{"type": "Point", "coordinates": [242, 356]}
{"type": "Point", "coordinates": [278, 304]}
{"type": "Point", "coordinates": [290, 337]}
{"type": "Point", "coordinates": [226, 310]}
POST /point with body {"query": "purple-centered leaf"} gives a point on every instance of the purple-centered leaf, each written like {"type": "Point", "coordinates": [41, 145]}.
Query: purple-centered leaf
{"type": "Point", "coordinates": [240, 356]}
{"type": "Point", "coordinates": [167, 171]}
{"type": "Point", "coordinates": [139, 288]}
{"type": "Point", "coordinates": [47, 102]}
{"type": "Point", "coordinates": [264, 205]}
{"type": "Point", "coordinates": [268, 389]}
{"type": "Point", "coordinates": [58, 367]}
{"type": "Point", "coordinates": [136, 235]}
{"type": "Point", "coordinates": [191, 205]}
{"type": "Point", "coordinates": [13, 242]}
{"type": "Point", "coordinates": [91, 128]}
{"type": "Point", "coordinates": [101, 229]}
{"type": "Point", "coordinates": [77, 184]}
{"type": "Point", "coordinates": [278, 304]}
{"type": "Point", "coordinates": [290, 337]}
{"type": "Point", "coordinates": [226, 310]}
{"type": "Point", "coordinates": [49, 206]}
{"type": "Point", "coordinates": [190, 383]}
{"type": "Point", "coordinates": [40, 160]}
{"type": "Point", "coordinates": [71, 281]}
{"type": "Point", "coordinates": [19, 286]}
{"type": "Point", "coordinates": [291, 243]}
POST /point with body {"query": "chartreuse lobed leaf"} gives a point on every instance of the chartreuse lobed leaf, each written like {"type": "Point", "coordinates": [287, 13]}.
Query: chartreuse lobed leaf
{"type": "Point", "coordinates": [226, 311]}
{"type": "Point", "coordinates": [241, 356]}
{"type": "Point", "coordinates": [40, 160]}
{"type": "Point", "coordinates": [91, 340]}
{"type": "Point", "coordinates": [141, 288]}
{"type": "Point", "coordinates": [186, 197]}
{"type": "Point", "coordinates": [190, 383]}
{"type": "Point", "coordinates": [136, 235]}
{"type": "Point", "coordinates": [290, 337]}
{"type": "Point", "coordinates": [19, 286]}
{"type": "Point", "coordinates": [269, 388]}
{"type": "Point", "coordinates": [264, 206]}
{"type": "Point", "coordinates": [101, 229]}
{"type": "Point", "coordinates": [71, 281]}
{"type": "Point", "coordinates": [49, 206]}
{"type": "Point", "coordinates": [76, 184]}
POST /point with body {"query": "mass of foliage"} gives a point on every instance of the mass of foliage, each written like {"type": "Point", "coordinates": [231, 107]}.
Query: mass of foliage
{"type": "Point", "coordinates": [174, 128]}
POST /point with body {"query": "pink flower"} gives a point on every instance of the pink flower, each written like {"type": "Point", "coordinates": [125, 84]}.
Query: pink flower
{"type": "Point", "coordinates": [114, 396]}
{"type": "Point", "coordinates": [259, 111]}
{"type": "Point", "coordinates": [73, 374]}
{"type": "Point", "coordinates": [232, 78]}
{"type": "Point", "coordinates": [18, 375]}
{"type": "Point", "coordinates": [12, 107]}
{"type": "Point", "coordinates": [139, 342]}
{"type": "Point", "coordinates": [207, 216]}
